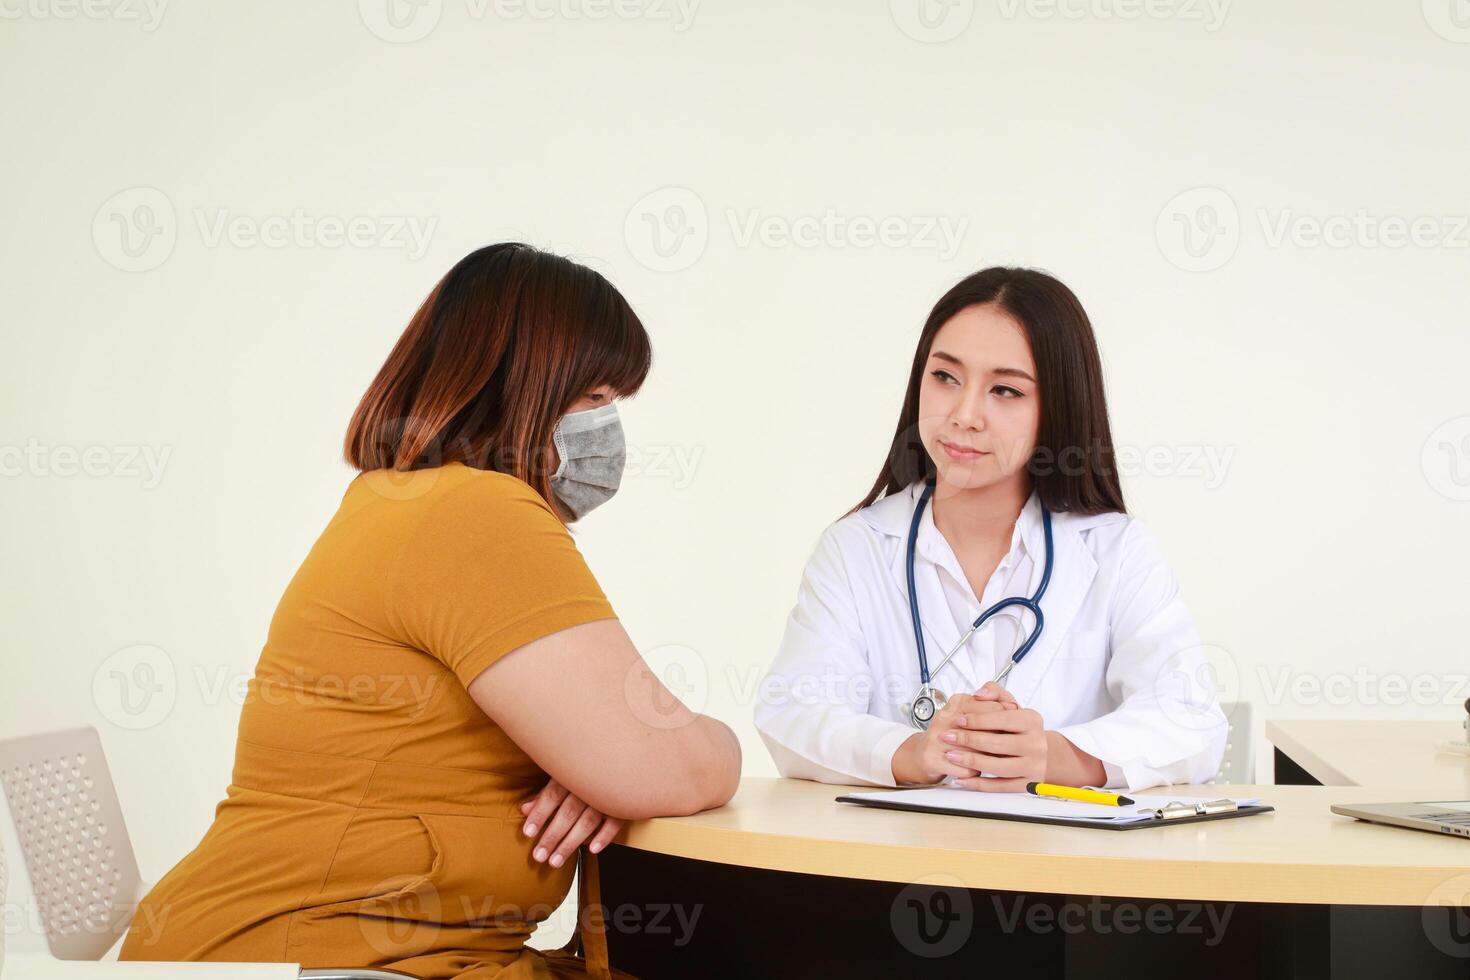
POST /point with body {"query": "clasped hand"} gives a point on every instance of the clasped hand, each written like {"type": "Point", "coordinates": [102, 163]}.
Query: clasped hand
{"type": "Point", "coordinates": [986, 732]}
{"type": "Point", "coordinates": [565, 822]}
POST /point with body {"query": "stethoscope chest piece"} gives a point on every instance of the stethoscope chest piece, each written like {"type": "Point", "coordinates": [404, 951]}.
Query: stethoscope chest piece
{"type": "Point", "coordinates": [924, 707]}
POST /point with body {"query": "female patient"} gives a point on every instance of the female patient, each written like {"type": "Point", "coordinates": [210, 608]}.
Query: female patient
{"type": "Point", "coordinates": [443, 711]}
{"type": "Point", "coordinates": [1004, 431]}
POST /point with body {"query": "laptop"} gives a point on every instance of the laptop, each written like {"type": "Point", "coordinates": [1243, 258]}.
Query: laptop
{"type": "Point", "coordinates": [1442, 817]}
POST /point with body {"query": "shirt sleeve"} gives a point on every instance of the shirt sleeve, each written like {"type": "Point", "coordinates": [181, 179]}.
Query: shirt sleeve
{"type": "Point", "coordinates": [488, 569]}
{"type": "Point", "coordinates": [813, 706]}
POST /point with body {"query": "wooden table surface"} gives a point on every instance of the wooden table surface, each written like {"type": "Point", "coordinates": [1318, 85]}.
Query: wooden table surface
{"type": "Point", "coordinates": [1302, 853]}
{"type": "Point", "coordinates": [1396, 756]}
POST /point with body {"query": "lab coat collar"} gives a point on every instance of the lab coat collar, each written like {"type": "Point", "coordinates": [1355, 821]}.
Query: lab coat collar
{"type": "Point", "coordinates": [891, 515]}
{"type": "Point", "coordinates": [1073, 569]}
{"type": "Point", "coordinates": [933, 546]}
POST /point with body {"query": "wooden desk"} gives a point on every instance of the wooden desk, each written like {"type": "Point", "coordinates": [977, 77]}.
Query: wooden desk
{"type": "Point", "coordinates": [787, 882]}
{"type": "Point", "coordinates": [1302, 853]}
{"type": "Point", "coordinates": [1395, 756]}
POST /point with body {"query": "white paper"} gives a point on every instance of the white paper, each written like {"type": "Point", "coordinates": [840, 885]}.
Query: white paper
{"type": "Point", "coordinates": [1026, 805]}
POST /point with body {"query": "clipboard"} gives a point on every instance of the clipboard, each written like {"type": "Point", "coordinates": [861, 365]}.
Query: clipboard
{"type": "Point", "coordinates": [1172, 812]}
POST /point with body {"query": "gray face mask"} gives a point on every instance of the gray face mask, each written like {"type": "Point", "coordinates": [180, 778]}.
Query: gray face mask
{"type": "Point", "coordinates": [592, 453]}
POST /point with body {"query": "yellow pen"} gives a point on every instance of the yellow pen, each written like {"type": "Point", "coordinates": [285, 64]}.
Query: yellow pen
{"type": "Point", "coordinates": [1053, 792]}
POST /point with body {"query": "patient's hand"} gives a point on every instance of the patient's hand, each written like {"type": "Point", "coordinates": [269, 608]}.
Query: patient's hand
{"type": "Point", "coordinates": [565, 823]}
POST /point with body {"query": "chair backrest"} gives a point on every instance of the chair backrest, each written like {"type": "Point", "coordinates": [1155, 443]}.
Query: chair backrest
{"type": "Point", "coordinates": [1239, 763]}
{"type": "Point", "coordinates": [72, 836]}
{"type": "Point", "coordinates": [4, 902]}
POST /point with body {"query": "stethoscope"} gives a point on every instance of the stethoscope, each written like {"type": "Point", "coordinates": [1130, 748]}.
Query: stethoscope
{"type": "Point", "coordinates": [928, 701]}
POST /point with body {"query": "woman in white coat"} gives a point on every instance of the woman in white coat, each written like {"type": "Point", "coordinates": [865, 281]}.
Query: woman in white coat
{"type": "Point", "coordinates": [1006, 419]}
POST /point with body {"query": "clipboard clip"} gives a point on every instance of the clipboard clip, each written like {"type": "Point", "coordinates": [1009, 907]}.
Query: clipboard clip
{"type": "Point", "coordinates": [1175, 810]}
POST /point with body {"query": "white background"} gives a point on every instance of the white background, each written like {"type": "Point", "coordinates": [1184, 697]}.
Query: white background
{"type": "Point", "coordinates": [1170, 163]}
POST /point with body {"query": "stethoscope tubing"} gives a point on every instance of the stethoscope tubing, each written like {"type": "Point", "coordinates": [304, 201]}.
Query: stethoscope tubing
{"type": "Point", "coordinates": [1032, 604]}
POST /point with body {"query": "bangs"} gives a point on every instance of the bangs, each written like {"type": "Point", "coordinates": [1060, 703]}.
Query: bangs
{"type": "Point", "coordinates": [620, 354]}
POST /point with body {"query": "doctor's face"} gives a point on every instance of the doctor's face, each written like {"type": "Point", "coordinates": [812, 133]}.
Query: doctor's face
{"type": "Point", "coordinates": [979, 407]}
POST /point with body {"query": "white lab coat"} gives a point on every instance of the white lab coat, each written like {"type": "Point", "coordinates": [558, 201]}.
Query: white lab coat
{"type": "Point", "coordinates": [1118, 669]}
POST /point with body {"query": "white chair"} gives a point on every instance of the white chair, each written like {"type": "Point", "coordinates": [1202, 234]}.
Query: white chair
{"type": "Point", "coordinates": [1239, 763]}
{"type": "Point", "coordinates": [4, 893]}
{"type": "Point", "coordinates": [81, 865]}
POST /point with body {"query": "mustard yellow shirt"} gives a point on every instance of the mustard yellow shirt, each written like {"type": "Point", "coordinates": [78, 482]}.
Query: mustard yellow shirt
{"type": "Point", "coordinates": [373, 815]}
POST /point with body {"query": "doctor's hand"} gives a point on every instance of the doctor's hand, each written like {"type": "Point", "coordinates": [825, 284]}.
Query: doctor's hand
{"type": "Point", "coordinates": [991, 691]}
{"type": "Point", "coordinates": [567, 823]}
{"type": "Point", "coordinates": [922, 758]}
{"type": "Point", "coordinates": [1010, 746]}
{"type": "Point", "coordinates": [1053, 758]}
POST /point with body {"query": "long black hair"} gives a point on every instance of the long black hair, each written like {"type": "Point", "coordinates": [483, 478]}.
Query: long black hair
{"type": "Point", "coordinates": [1072, 467]}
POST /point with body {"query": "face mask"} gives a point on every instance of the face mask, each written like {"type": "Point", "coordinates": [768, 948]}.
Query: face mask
{"type": "Point", "coordinates": [592, 454]}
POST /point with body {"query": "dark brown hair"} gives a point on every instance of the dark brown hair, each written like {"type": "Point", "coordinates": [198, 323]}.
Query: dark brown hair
{"type": "Point", "coordinates": [505, 343]}
{"type": "Point", "coordinates": [1072, 467]}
